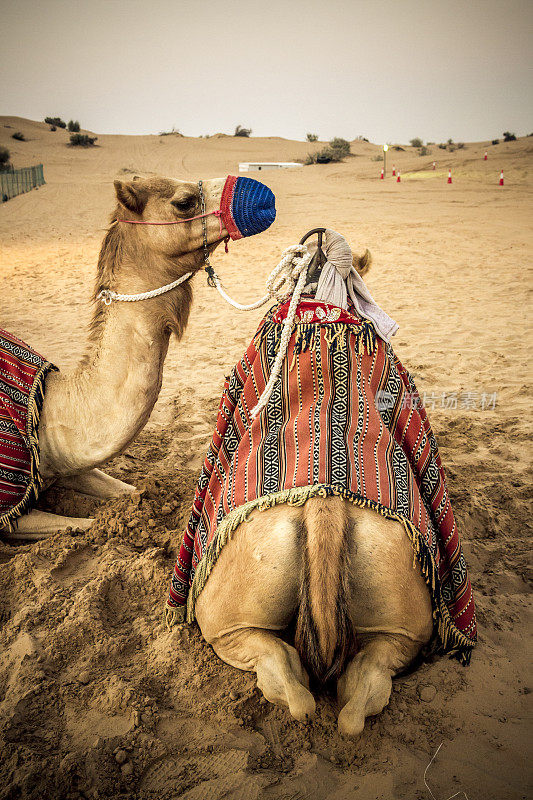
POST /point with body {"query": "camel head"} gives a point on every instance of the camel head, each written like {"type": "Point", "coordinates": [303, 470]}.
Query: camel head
{"type": "Point", "coordinates": [166, 200]}
{"type": "Point", "coordinates": [156, 236]}
{"type": "Point", "coordinates": [158, 199]}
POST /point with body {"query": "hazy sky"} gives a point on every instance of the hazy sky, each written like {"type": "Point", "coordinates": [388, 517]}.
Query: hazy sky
{"type": "Point", "coordinates": [385, 69]}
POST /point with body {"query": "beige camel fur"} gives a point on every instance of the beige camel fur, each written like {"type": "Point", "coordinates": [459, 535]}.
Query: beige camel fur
{"type": "Point", "coordinates": [93, 412]}
{"type": "Point", "coordinates": [371, 582]}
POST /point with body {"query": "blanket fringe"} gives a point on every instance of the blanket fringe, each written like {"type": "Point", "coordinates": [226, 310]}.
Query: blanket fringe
{"type": "Point", "coordinates": [449, 639]}
{"type": "Point", "coordinates": [336, 335]}
{"type": "Point", "coordinates": [35, 405]}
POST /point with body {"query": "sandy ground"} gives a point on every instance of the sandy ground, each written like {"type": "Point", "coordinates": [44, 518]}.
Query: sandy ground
{"type": "Point", "coordinates": [96, 699]}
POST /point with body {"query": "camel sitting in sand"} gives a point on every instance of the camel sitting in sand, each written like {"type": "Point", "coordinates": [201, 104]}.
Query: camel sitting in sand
{"type": "Point", "coordinates": [92, 413]}
{"type": "Point", "coordinates": [322, 502]}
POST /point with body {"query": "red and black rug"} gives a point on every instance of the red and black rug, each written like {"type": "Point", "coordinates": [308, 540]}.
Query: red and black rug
{"type": "Point", "coordinates": [344, 418]}
{"type": "Point", "coordinates": [22, 376]}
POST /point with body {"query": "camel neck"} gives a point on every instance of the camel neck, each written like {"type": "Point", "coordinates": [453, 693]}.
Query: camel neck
{"type": "Point", "coordinates": [93, 413]}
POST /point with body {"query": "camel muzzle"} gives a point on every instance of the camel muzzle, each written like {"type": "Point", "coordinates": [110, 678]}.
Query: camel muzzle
{"type": "Point", "coordinates": [247, 207]}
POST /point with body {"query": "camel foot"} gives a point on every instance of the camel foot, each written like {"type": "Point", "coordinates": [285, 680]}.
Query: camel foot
{"type": "Point", "coordinates": [365, 687]}
{"type": "Point", "coordinates": [281, 678]}
{"type": "Point", "coordinates": [96, 483]}
{"type": "Point", "coordinates": [41, 525]}
{"type": "Point", "coordinates": [280, 675]}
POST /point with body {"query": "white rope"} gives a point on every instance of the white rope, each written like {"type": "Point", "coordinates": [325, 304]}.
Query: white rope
{"type": "Point", "coordinates": [107, 296]}
{"type": "Point", "coordinates": [288, 277]}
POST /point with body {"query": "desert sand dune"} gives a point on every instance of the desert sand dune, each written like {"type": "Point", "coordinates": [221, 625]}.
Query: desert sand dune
{"type": "Point", "coordinates": [96, 699]}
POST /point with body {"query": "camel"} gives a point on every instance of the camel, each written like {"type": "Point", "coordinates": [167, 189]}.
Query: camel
{"type": "Point", "coordinates": [358, 582]}
{"type": "Point", "coordinates": [93, 412]}
{"type": "Point", "coordinates": [361, 580]}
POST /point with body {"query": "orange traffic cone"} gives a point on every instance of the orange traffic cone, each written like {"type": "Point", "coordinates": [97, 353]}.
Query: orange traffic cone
{"type": "Point", "coordinates": [485, 156]}
{"type": "Point", "coordinates": [501, 178]}
{"type": "Point", "coordinates": [393, 171]}
{"type": "Point", "coordinates": [398, 178]}
{"type": "Point", "coordinates": [381, 177]}
{"type": "Point", "coordinates": [434, 165]}
{"type": "Point", "coordinates": [449, 176]}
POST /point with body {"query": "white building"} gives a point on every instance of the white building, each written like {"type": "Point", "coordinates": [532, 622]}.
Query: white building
{"type": "Point", "coordinates": [257, 166]}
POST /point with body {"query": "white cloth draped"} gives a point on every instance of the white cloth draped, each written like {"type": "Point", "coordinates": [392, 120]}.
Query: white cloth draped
{"type": "Point", "coordinates": [339, 280]}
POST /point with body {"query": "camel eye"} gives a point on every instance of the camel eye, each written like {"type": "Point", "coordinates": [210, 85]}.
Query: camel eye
{"type": "Point", "coordinates": [185, 203]}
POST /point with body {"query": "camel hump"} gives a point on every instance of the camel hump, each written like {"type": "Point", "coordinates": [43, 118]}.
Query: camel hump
{"type": "Point", "coordinates": [324, 636]}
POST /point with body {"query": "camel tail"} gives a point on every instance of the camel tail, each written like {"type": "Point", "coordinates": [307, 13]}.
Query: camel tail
{"type": "Point", "coordinates": [324, 636]}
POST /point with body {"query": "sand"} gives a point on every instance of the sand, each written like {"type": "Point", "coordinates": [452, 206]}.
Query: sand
{"type": "Point", "coordinates": [97, 700]}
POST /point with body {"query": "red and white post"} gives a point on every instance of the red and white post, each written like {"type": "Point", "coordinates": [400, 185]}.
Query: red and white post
{"type": "Point", "coordinates": [485, 156]}
{"type": "Point", "coordinates": [393, 171]}
{"type": "Point", "coordinates": [398, 179]}
{"type": "Point", "coordinates": [501, 178]}
{"type": "Point", "coordinates": [449, 176]}
{"type": "Point", "coordinates": [382, 176]}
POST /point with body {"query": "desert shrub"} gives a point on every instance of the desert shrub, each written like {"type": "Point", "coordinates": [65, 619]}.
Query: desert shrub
{"type": "Point", "coordinates": [53, 128]}
{"type": "Point", "coordinates": [416, 142]}
{"type": "Point", "coordinates": [325, 156]}
{"type": "Point", "coordinates": [82, 140]}
{"type": "Point", "coordinates": [377, 158]}
{"type": "Point", "coordinates": [5, 155]}
{"type": "Point", "coordinates": [240, 131]}
{"type": "Point", "coordinates": [311, 137]}
{"type": "Point", "coordinates": [442, 146]}
{"type": "Point", "coordinates": [72, 126]}
{"type": "Point", "coordinates": [423, 151]}
{"type": "Point", "coordinates": [452, 148]}
{"type": "Point", "coordinates": [340, 146]}
{"type": "Point", "coordinates": [57, 121]}
{"type": "Point", "coordinates": [428, 143]}
{"type": "Point", "coordinates": [509, 137]}
{"type": "Point", "coordinates": [173, 132]}
{"type": "Point", "coordinates": [18, 136]}
{"type": "Point", "coordinates": [361, 139]}
{"type": "Point", "coordinates": [398, 148]}
{"type": "Point", "coordinates": [460, 145]}
{"type": "Point", "coordinates": [450, 141]}
{"type": "Point", "coordinates": [495, 141]}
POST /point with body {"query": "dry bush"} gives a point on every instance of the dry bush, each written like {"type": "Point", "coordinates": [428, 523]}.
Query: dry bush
{"type": "Point", "coordinates": [173, 132]}
{"type": "Point", "coordinates": [240, 131]}
{"type": "Point", "coordinates": [416, 142]}
{"type": "Point", "coordinates": [18, 136]}
{"type": "Point", "coordinates": [340, 146]}
{"type": "Point", "coordinates": [73, 126]}
{"type": "Point", "coordinates": [311, 137]}
{"type": "Point", "coordinates": [5, 155]}
{"type": "Point", "coordinates": [82, 140]}
{"type": "Point", "coordinates": [57, 121]}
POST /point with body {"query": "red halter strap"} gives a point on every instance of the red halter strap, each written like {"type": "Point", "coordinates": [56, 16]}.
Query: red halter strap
{"type": "Point", "coordinates": [217, 213]}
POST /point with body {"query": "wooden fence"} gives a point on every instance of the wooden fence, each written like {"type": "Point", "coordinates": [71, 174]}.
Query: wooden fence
{"type": "Point", "coordinates": [17, 181]}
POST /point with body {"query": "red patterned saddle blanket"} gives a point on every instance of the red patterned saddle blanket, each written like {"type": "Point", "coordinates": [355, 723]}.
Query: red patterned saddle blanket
{"type": "Point", "coordinates": [22, 377]}
{"type": "Point", "coordinates": [344, 418]}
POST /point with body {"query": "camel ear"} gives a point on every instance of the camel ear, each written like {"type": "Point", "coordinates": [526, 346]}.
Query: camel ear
{"type": "Point", "coordinates": [133, 196]}
{"type": "Point", "coordinates": [362, 263]}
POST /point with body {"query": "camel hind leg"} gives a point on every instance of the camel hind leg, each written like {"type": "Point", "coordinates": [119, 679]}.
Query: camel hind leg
{"type": "Point", "coordinates": [365, 687]}
{"type": "Point", "coordinates": [391, 613]}
{"type": "Point", "coordinates": [251, 592]}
